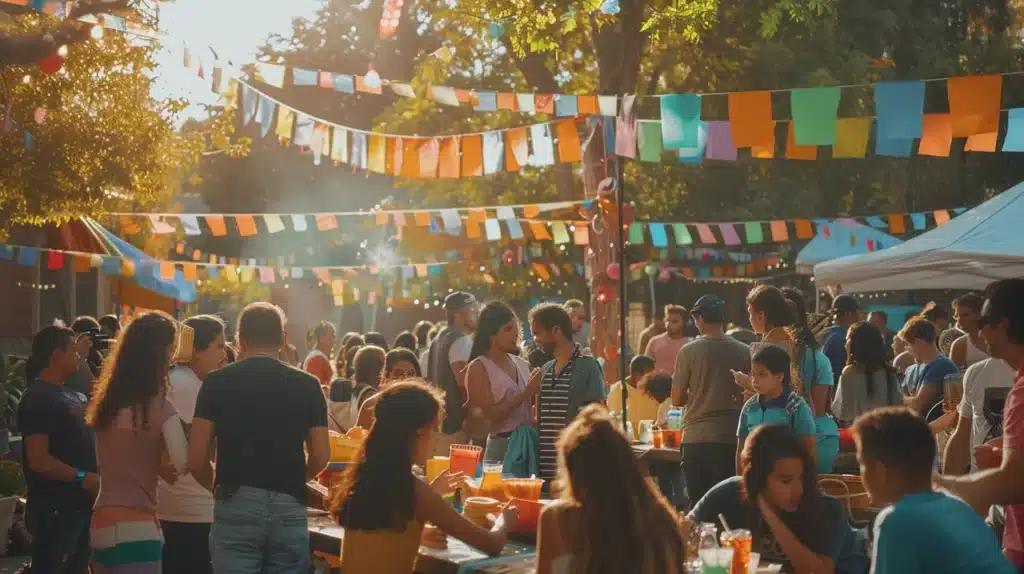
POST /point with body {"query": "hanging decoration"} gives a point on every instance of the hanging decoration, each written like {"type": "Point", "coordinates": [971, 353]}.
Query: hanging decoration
{"type": "Point", "coordinates": [390, 18]}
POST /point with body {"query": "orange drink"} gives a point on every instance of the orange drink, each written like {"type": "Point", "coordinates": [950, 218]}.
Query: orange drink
{"type": "Point", "coordinates": [491, 484]}
{"type": "Point", "coordinates": [657, 438]}
{"type": "Point", "coordinates": [435, 466]}
{"type": "Point", "coordinates": [741, 542]}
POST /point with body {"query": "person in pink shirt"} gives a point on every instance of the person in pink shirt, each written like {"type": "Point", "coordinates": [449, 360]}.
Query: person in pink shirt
{"type": "Point", "coordinates": [664, 348]}
{"type": "Point", "coordinates": [1002, 460]}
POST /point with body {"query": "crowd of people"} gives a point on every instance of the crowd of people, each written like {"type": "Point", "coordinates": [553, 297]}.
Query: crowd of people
{"type": "Point", "coordinates": [165, 446]}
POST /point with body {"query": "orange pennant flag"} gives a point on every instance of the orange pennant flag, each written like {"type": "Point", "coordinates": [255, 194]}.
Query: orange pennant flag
{"type": "Point", "coordinates": [127, 268]}
{"type": "Point", "coordinates": [449, 158]}
{"type": "Point", "coordinates": [190, 272]}
{"type": "Point", "coordinates": [197, 255]}
{"type": "Point", "coordinates": [81, 263]}
{"type": "Point", "coordinates": [507, 101]}
{"type": "Point", "coordinates": [473, 230]}
{"type": "Point", "coordinates": [974, 103]}
{"type": "Point", "coordinates": [472, 155]}
{"type": "Point", "coordinates": [128, 225]}
{"type": "Point", "coordinates": [804, 229]}
{"type": "Point", "coordinates": [382, 218]}
{"type": "Point", "coordinates": [982, 142]}
{"type": "Point", "coordinates": [516, 149]}
{"type": "Point", "coordinates": [779, 231]}
{"type": "Point", "coordinates": [428, 158]}
{"type": "Point", "coordinates": [540, 230]}
{"type": "Point", "coordinates": [941, 216]}
{"type": "Point", "coordinates": [217, 226]}
{"type": "Point", "coordinates": [395, 153]}
{"type": "Point", "coordinates": [793, 151]}
{"type": "Point", "coordinates": [326, 222]}
{"type": "Point", "coordinates": [896, 224]}
{"type": "Point", "coordinates": [750, 118]}
{"type": "Point", "coordinates": [246, 225]}
{"type": "Point", "coordinates": [167, 270]}
{"type": "Point", "coordinates": [422, 218]}
{"type": "Point", "coordinates": [476, 216]}
{"type": "Point", "coordinates": [568, 141]}
{"type": "Point", "coordinates": [531, 211]}
{"type": "Point", "coordinates": [411, 157]}
{"type": "Point", "coordinates": [376, 154]}
{"type": "Point", "coordinates": [544, 103]}
{"type": "Point", "coordinates": [581, 234]}
{"type": "Point", "coordinates": [179, 248]}
{"type": "Point", "coordinates": [465, 97]}
{"type": "Point", "coordinates": [542, 271]}
{"type": "Point", "coordinates": [936, 135]}
{"type": "Point", "coordinates": [765, 150]}
{"type": "Point", "coordinates": [322, 274]}
{"type": "Point", "coordinates": [586, 105]}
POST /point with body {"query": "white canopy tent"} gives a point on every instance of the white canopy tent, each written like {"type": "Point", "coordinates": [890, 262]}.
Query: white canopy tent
{"type": "Point", "coordinates": [969, 252]}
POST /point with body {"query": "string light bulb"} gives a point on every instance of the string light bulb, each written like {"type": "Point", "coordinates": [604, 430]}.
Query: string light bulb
{"type": "Point", "coordinates": [63, 51]}
{"type": "Point", "coordinates": [27, 79]}
{"type": "Point", "coordinates": [96, 32]}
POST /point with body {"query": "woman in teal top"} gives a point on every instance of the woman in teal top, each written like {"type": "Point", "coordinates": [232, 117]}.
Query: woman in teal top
{"type": "Point", "coordinates": [774, 401]}
{"type": "Point", "coordinates": [819, 380]}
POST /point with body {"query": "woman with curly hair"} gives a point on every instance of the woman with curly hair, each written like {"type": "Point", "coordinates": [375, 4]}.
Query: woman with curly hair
{"type": "Point", "coordinates": [776, 497]}
{"type": "Point", "coordinates": [610, 518]}
{"type": "Point", "coordinates": [139, 436]}
{"type": "Point", "coordinates": [383, 506]}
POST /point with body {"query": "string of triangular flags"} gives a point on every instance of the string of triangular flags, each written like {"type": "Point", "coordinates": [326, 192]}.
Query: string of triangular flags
{"type": "Point", "coordinates": [734, 233]}
{"type": "Point", "coordinates": [510, 223]}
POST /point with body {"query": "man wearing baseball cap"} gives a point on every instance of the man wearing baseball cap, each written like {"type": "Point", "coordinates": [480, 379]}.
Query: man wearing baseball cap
{"type": "Point", "coordinates": [845, 312]}
{"type": "Point", "coordinates": [703, 384]}
{"type": "Point", "coordinates": [449, 355]}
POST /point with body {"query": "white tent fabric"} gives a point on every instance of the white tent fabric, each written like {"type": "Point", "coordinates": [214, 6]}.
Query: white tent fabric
{"type": "Point", "coordinates": [843, 237]}
{"type": "Point", "coordinates": [969, 252]}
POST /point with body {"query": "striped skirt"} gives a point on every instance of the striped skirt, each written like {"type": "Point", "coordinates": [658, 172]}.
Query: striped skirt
{"type": "Point", "coordinates": [125, 541]}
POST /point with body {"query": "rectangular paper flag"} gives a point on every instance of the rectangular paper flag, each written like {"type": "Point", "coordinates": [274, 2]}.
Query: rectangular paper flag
{"type": "Point", "coordinates": [448, 158]}
{"type": "Point", "coordinates": [750, 118]}
{"type": "Point", "coordinates": [444, 95]}
{"type": "Point", "coordinates": [566, 106]}
{"type": "Point", "coordinates": [526, 103]}
{"type": "Point", "coordinates": [753, 231]}
{"type": "Point", "coordinates": [649, 140]}
{"type": "Point", "coordinates": [729, 235]}
{"type": "Point", "coordinates": [779, 231]}
{"type": "Point", "coordinates": [274, 223]}
{"type": "Point", "coordinates": [493, 230]}
{"type": "Point", "coordinates": [428, 158]}
{"type": "Point", "coordinates": [898, 108]}
{"type": "Point", "coordinates": [568, 141]}
{"type": "Point", "coordinates": [190, 223]}
{"type": "Point", "coordinates": [494, 152]}
{"type": "Point", "coordinates": [1014, 130]}
{"type": "Point", "coordinates": [659, 238]}
{"type": "Point", "coordinates": [974, 103]}
{"type": "Point", "coordinates": [682, 234]}
{"type": "Point", "coordinates": [625, 129]}
{"type": "Point", "coordinates": [543, 147]}
{"type": "Point", "coordinates": [339, 145]}
{"type": "Point", "coordinates": [680, 120]}
{"type": "Point", "coordinates": [719, 142]}
{"type": "Point", "coordinates": [706, 235]}
{"type": "Point", "coordinates": [608, 106]}
{"type": "Point", "coordinates": [695, 154]}
{"type": "Point", "coordinates": [851, 138]}
{"type": "Point", "coordinates": [517, 149]}
{"type": "Point", "coordinates": [814, 115]}
{"type": "Point", "coordinates": [472, 156]}
{"type": "Point", "coordinates": [936, 135]}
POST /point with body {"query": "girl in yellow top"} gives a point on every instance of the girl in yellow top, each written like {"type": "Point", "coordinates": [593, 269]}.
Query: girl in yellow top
{"type": "Point", "coordinates": [383, 506]}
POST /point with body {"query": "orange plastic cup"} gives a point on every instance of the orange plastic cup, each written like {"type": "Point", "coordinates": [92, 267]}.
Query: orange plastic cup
{"type": "Point", "coordinates": [464, 458]}
{"type": "Point", "coordinates": [529, 515]}
{"type": "Point", "coordinates": [657, 438]}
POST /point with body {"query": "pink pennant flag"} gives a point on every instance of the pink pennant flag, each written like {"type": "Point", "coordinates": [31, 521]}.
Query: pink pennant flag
{"type": "Point", "coordinates": [267, 275]}
{"type": "Point", "coordinates": [705, 233]}
{"type": "Point", "coordinates": [159, 225]}
{"type": "Point", "coordinates": [729, 235]}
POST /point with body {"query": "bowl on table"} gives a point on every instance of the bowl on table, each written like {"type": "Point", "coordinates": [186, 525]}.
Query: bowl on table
{"type": "Point", "coordinates": [523, 488]}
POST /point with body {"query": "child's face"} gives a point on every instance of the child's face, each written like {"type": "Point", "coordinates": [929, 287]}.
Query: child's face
{"type": "Point", "coordinates": [764, 382]}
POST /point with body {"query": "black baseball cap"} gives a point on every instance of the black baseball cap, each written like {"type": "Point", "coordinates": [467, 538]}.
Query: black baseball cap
{"type": "Point", "coordinates": [711, 308]}
{"type": "Point", "coordinates": [457, 300]}
{"type": "Point", "coordinates": [844, 304]}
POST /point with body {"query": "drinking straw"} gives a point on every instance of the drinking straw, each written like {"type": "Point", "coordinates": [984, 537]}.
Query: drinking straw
{"type": "Point", "coordinates": [725, 525]}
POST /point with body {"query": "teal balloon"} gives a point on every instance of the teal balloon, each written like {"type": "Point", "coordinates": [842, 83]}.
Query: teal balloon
{"type": "Point", "coordinates": [496, 30]}
{"type": "Point", "coordinates": [652, 269]}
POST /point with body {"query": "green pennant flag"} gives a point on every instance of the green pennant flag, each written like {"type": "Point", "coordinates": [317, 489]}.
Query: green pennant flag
{"type": "Point", "coordinates": [682, 234]}
{"type": "Point", "coordinates": [814, 115]}
{"type": "Point", "coordinates": [649, 140]}
{"type": "Point", "coordinates": [753, 232]}
{"type": "Point", "coordinates": [636, 233]}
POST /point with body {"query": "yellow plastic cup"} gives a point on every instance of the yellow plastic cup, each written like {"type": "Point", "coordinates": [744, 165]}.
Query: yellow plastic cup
{"type": "Point", "coordinates": [435, 466]}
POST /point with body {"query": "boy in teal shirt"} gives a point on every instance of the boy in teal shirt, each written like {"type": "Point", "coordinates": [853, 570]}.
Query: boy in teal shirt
{"type": "Point", "coordinates": [923, 531]}
{"type": "Point", "coordinates": [775, 402]}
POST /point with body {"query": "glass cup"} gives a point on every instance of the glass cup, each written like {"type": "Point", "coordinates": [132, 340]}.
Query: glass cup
{"type": "Point", "coordinates": [741, 542]}
{"type": "Point", "coordinates": [491, 484]}
{"type": "Point", "coordinates": [716, 560]}
{"type": "Point", "coordinates": [645, 434]}
{"type": "Point", "coordinates": [755, 561]}
{"type": "Point", "coordinates": [435, 466]}
{"type": "Point", "coordinates": [657, 438]}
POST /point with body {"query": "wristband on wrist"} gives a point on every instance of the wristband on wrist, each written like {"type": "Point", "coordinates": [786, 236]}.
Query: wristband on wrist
{"type": "Point", "coordinates": [80, 476]}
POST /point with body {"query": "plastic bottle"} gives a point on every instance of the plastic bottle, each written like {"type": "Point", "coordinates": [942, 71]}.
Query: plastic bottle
{"type": "Point", "coordinates": [708, 536]}
{"type": "Point", "coordinates": [675, 419]}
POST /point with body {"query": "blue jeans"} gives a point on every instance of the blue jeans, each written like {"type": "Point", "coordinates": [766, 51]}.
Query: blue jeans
{"type": "Point", "coordinates": [257, 531]}
{"type": "Point", "coordinates": [60, 536]}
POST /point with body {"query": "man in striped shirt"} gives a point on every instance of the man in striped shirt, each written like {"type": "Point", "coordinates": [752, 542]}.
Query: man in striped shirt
{"type": "Point", "coordinates": [571, 381]}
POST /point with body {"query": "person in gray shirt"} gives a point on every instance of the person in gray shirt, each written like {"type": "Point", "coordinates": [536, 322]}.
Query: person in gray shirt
{"type": "Point", "coordinates": [704, 385]}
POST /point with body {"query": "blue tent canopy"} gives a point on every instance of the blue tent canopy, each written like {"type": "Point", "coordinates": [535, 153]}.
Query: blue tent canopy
{"type": "Point", "coordinates": [844, 237]}
{"type": "Point", "coordinates": [147, 271]}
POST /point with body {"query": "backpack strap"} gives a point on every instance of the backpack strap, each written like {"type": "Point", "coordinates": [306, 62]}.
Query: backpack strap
{"type": "Point", "coordinates": [792, 406]}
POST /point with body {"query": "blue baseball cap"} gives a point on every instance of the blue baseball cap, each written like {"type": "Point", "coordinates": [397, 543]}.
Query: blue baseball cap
{"type": "Point", "coordinates": [711, 308]}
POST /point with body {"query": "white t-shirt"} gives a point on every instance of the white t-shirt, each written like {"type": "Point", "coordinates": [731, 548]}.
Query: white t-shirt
{"type": "Point", "coordinates": [460, 350]}
{"type": "Point", "coordinates": [990, 373]}
{"type": "Point", "coordinates": [185, 500]}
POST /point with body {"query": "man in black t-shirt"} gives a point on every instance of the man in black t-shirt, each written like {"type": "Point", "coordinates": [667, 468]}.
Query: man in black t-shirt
{"type": "Point", "coordinates": [265, 416]}
{"type": "Point", "coordinates": [59, 458]}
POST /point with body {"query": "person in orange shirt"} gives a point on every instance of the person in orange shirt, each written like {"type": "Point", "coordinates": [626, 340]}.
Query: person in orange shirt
{"type": "Point", "coordinates": [317, 362]}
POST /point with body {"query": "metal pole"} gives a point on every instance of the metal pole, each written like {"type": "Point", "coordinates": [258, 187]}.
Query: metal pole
{"type": "Point", "coordinates": [620, 192]}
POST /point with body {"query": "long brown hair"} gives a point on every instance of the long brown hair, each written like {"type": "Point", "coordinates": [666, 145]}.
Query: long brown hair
{"type": "Point", "coordinates": [378, 492]}
{"type": "Point", "coordinates": [135, 372]}
{"type": "Point", "coordinates": [628, 526]}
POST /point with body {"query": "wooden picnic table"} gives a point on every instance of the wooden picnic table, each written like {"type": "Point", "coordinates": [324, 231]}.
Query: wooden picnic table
{"type": "Point", "coordinates": [325, 539]}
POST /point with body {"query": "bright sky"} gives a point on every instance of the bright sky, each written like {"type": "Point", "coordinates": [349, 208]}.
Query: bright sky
{"type": "Point", "coordinates": [234, 28]}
